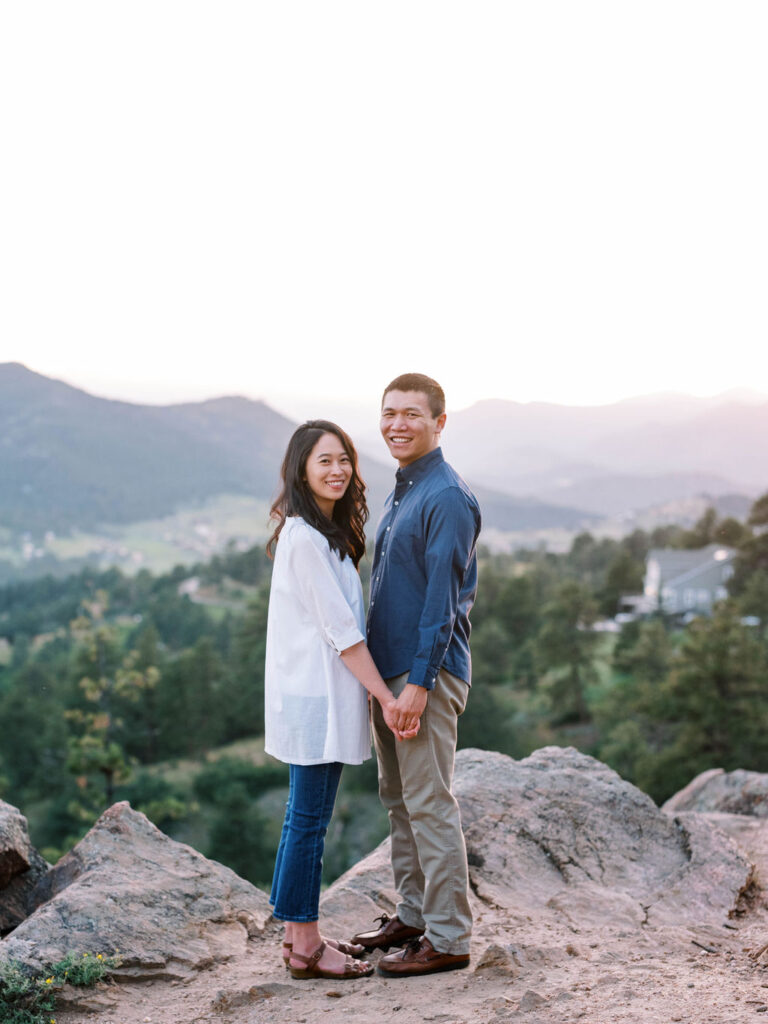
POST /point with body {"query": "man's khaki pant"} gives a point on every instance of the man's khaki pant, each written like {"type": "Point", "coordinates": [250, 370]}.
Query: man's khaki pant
{"type": "Point", "coordinates": [429, 859]}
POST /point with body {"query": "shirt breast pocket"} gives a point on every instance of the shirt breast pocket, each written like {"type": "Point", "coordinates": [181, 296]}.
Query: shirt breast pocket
{"type": "Point", "coordinates": [407, 549]}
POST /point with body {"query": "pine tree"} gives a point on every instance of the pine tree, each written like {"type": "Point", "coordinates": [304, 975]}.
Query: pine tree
{"type": "Point", "coordinates": [566, 646]}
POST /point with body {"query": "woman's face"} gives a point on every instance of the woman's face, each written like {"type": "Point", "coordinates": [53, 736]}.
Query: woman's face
{"type": "Point", "coordinates": [328, 472]}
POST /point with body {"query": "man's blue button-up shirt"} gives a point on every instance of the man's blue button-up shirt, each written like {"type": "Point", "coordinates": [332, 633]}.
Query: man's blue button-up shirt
{"type": "Point", "coordinates": [424, 575]}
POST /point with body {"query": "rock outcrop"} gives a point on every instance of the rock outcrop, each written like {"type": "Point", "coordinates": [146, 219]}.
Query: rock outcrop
{"type": "Point", "coordinates": [15, 847]}
{"type": "Point", "coordinates": [559, 835]}
{"type": "Point", "coordinates": [557, 838]}
{"type": "Point", "coordinates": [738, 792]}
{"type": "Point", "coordinates": [590, 903]}
{"type": "Point", "coordinates": [21, 868]}
{"type": "Point", "coordinates": [126, 886]}
{"type": "Point", "coordinates": [737, 804]}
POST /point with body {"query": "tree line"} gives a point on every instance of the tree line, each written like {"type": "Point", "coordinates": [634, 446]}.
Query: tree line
{"type": "Point", "coordinates": [108, 678]}
{"type": "Point", "coordinates": [661, 701]}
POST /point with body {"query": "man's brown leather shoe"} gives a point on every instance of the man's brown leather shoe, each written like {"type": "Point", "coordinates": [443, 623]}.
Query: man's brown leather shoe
{"type": "Point", "coordinates": [420, 957]}
{"type": "Point", "coordinates": [392, 933]}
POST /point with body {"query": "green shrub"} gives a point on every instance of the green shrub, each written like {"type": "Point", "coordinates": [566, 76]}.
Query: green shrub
{"type": "Point", "coordinates": [84, 971]}
{"type": "Point", "coordinates": [24, 999]}
{"type": "Point", "coordinates": [30, 998]}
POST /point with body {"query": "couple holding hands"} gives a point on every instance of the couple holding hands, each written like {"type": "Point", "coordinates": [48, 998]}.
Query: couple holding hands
{"type": "Point", "coordinates": [415, 666]}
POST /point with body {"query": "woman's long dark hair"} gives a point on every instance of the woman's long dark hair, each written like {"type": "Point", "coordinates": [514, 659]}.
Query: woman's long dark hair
{"type": "Point", "coordinates": [345, 531]}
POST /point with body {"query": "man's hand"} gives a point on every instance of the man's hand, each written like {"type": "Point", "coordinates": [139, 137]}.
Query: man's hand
{"type": "Point", "coordinates": [409, 707]}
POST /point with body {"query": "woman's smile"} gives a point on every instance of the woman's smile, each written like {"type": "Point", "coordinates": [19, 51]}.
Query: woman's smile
{"type": "Point", "coordinates": [329, 471]}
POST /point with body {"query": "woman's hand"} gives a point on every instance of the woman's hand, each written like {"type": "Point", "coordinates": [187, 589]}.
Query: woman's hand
{"type": "Point", "coordinates": [403, 717]}
{"type": "Point", "coordinates": [405, 730]}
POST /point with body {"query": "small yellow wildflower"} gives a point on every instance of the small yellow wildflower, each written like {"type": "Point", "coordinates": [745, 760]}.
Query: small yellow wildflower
{"type": "Point", "coordinates": [99, 957]}
{"type": "Point", "coordinates": [49, 981]}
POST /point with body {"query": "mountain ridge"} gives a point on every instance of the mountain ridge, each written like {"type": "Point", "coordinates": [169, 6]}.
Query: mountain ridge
{"type": "Point", "coordinates": [74, 460]}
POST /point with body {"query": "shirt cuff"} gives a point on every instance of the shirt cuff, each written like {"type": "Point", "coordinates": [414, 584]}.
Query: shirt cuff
{"type": "Point", "coordinates": [423, 675]}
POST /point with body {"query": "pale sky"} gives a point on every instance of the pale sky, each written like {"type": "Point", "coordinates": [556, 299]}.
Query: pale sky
{"type": "Point", "coordinates": [560, 201]}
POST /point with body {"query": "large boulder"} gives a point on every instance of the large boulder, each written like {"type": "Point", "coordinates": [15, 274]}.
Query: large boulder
{"type": "Point", "coordinates": [15, 847]}
{"type": "Point", "coordinates": [21, 869]}
{"type": "Point", "coordinates": [561, 836]}
{"type": "Point", "coordinates": [126, 886]}
{"type": "Point", "coordinates": [21, 896]}
{"type": "Point", "coordinates": [738, 792]}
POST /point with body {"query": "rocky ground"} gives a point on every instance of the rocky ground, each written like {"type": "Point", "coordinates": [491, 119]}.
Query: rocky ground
{"type": "Point", "coordinates": [520, 973]}
{"type": "Point", "coordinates": [590, 904]}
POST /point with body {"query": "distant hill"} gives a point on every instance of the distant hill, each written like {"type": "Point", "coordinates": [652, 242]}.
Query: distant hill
{"type": "Point", "coordinates": [614, 458]}
{"type": "Point", "coordinates": [728, 440]}
{"type": "Point", "coordinates": [69, 459]}
{"type": "Point", "coordinates": [617, 494]}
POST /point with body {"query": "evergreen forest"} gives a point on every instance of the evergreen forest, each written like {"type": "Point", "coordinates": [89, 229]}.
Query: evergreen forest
{"type": "Point", "coordinates": [150, 688]}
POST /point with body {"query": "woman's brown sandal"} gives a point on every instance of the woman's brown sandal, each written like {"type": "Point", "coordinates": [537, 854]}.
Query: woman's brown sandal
{"type": "Point", "coordinates": [352, 968]}
{"type": "Point", "coordinates": [353, 949]}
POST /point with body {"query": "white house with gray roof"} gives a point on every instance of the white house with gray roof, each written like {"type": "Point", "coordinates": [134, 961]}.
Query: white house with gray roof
{"type": "Point", "coordinates": [682, 582]}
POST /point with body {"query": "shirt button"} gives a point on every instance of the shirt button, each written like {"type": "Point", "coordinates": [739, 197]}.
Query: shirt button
{"type": "Point", "coordinates": [410, 483]}
{"type": "Point", "coordinates": [388, 529]}
{"type": "Point", "coordinates": [397, 502]}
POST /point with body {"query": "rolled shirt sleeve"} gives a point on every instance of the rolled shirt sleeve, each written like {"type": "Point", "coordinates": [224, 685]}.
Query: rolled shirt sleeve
{"type": "Point", "coordinates": [320, 593]}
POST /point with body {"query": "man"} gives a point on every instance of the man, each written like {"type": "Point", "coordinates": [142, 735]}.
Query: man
{"type": "Point", "coordinates": [423, 584]}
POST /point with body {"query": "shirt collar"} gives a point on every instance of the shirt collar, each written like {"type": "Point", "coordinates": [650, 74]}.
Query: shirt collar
{"type": "Point", "coordinates": [418, 469]}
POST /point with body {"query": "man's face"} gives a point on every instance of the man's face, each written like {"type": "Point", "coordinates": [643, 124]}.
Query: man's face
{"type": "Point", "coordinates": [408, 426]}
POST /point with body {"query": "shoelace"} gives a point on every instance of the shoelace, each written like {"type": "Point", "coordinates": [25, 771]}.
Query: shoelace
{"type": "Point", "coordinates": [412, 945]}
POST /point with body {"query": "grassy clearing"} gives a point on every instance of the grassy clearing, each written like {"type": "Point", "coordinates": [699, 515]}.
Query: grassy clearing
{"type": "Point", "coordinates": [182, 772]}
{"type": "Point", "coordinates": [192, 534]}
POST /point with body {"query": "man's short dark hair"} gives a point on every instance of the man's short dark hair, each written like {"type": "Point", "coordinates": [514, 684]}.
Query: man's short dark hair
{"type": "Point", "coordinates": [419, 382]}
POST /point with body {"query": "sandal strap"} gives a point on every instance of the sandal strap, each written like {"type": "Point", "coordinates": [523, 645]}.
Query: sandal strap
{"type": "Point", "coordinates": [311, 960]}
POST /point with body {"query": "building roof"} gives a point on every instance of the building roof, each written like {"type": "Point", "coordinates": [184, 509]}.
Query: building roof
{"type": "Point", "coordinates": [675, 565]}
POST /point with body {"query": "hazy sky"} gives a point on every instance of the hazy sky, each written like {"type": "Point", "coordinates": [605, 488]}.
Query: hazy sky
{"type": "Point", "coordinates": [562, 201]}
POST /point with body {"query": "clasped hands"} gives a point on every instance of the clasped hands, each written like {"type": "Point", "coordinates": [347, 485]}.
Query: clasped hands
{"type": "Point", "coordinates": [403, 716]}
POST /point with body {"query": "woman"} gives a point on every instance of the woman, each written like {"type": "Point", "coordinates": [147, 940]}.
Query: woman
{"type": "Point", "coordinates": [316, 711]}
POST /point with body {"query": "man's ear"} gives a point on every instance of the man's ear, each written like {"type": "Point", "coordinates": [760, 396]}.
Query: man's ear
{"type": "Point", "coordinates": [441, 421]}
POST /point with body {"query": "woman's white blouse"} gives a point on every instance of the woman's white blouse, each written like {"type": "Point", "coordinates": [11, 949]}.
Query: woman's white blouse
{"type": "Point", "coordinates": [316, 711]}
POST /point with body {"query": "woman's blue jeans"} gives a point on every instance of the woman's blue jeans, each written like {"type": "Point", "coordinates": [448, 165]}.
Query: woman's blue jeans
{"type": "Point", "coordinates": [295, 892]}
